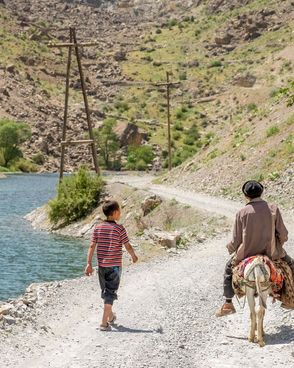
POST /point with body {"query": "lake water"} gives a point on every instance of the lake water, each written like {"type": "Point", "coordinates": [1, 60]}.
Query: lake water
{"type": "Point", "coordinates": [27, 255]}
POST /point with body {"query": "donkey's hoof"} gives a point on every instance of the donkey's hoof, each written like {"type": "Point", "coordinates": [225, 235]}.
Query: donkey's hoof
{"type": "Point", "coordinates": [251, 339]}
{"type": "Point", "coordinates": [261, 343]}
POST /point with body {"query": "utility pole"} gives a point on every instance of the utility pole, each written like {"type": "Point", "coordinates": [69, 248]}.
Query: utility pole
{"type": "Point", "coordinates": [168, 85]}
{"type": "Point", "coordinates": [73, 44]}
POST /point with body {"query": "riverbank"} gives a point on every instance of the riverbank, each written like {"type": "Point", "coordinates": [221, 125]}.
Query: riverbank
{"type": "Point", "coordinates": [155, 328]}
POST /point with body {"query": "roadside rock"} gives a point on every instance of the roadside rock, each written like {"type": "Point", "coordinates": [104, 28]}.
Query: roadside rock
{"type": "Point", "coordinates": [5, 309]}
{"type": "Point", "coordinates": [164, 238]}
{"type": "Point", "coordinates": [150, 203]}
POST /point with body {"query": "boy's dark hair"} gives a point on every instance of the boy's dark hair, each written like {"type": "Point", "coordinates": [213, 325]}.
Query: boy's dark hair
{"type": "Point", "coordinates": [109, 207]}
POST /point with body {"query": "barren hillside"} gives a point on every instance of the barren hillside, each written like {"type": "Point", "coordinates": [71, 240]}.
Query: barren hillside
{"type": "Point", "coordinates": [232, 60]}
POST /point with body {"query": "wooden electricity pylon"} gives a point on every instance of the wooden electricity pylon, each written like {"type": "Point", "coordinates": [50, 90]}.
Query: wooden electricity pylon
{"type": "Point", "coordinates": [168, 85]}
{"type": "Point", "coordinates": [73, 44]}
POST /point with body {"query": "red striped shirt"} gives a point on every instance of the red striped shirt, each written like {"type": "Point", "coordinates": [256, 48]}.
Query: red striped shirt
{"type": "Point", "coordinates": [109, 238]}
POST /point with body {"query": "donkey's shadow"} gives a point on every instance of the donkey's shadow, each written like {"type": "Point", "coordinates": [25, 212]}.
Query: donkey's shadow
{"type": "Point", "coordinates": [285, 335]}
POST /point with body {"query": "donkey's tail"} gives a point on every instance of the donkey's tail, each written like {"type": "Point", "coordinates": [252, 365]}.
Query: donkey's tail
{"type": "Point", "coordinates": [258, 275]}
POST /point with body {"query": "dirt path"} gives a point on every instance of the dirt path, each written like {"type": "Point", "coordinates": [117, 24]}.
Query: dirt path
{"type": "Point", "coordinates": [165, 317]}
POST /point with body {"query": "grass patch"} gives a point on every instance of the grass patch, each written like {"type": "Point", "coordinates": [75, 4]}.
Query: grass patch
{"type": "Point", "coordinates": [273, 130]}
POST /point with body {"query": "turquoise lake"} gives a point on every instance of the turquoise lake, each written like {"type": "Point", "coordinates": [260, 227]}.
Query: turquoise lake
{"type": "Point", "coordinates": [28, 255]}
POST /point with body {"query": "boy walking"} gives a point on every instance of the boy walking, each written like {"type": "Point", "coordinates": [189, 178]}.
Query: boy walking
{"type": "Point", "coordinates": [109, 238]}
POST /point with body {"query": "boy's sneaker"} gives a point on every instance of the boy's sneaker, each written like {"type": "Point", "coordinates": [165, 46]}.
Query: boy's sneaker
{"type": "Point", "coordinates": [225, 310]}
{"type": "Point", "coordinates": [105, 328]}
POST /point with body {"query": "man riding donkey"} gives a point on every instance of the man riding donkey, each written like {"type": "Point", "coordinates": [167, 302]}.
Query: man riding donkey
{"type": "Point", "coordinates": [258, 229]}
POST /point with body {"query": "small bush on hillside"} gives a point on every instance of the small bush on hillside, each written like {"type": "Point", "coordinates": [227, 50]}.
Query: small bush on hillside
{"type": "Point", "coordinates": [252, 107]}
{"type": "Point", "coordinates": [193, 132]}
{"type": "Point", "coordinates": [176, 136]}
{"type": "Point", "coordinates": [178, 126]}
{"type": "Point", "coordinates": [121, 106]}
{"type": "Point", "coordinates": [274, 129]}
{"type": "Point", "coordinates": [273, 176]}
{"type": "Point", "coordinates": [78, 194]}
{"type": "Point", "coordinates": [183, 76]}
{"type": "Point", "coordinates": [216, 64]}
{"type": "Point", "coordinates": [181, 155]}
{"type": "Point", "coordinates": [158, 31]}
{"type": "Point", "coordinates": [172, 23]}
{"type": "Point", "coordinates": [190, 141]}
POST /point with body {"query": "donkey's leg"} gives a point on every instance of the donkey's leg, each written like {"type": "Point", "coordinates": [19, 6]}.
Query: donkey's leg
{"type": "Point", "coordinates": [251, 303]}
{"type": "Point", "coordinates": [260, 318]}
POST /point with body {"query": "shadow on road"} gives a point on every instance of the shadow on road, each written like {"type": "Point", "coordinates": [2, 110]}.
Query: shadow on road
{"type": "Point", "coordinates": [120, 328]}
{"type": "Point", "coordinates": [285, 335]}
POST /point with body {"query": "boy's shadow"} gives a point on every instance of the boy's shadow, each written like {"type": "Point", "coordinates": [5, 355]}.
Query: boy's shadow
{"type": "Point", "coordinates": [121, 328]}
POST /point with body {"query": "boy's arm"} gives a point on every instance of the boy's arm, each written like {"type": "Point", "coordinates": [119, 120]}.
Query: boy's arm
{"type": "Point", "coordinates": [131, 252]}
{"type": "Point", "coordinates": [91, 250]}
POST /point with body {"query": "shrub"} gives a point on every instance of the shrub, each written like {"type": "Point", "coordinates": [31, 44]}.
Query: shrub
{"type": "Point", "coordinates": [215, 64]}
{"type": "Point", "coordinates": [274, 129]}
{"type": "Point", "coordinates": [138, 154]}
{"type": "Point", "coordinates": [158, 31]}
{"type": "Point", "coordinates": [183, 76]}
{"type": "Point", "coordinates": [189, 141]}
{"type": "Point", "coordinates": [108, 144]}
{"type": "Point", "coordinates": [23, 165]}
{"type": "Point", "coordinates": [176, 136]}
{"type": "Point", "coordinates": [273, 175]}
{"type": "Point", "coordinates": [121, 106]}
{"type": "Point", "coordinates": [178, 126]}
{"type": "Point", "coordinates": [12, 135]}
{"type": "Point", "coordinates": [252, 107]}
{"type": "Point", "coordinates": [141, 165]}
{"type": "Point", "coordinates": [193, 132]}
{"type": "Point", "coordinates": [172, 23]}
{"type": "Point", "coordinates": [78, 194]}
{"type": "Point", "coordinates": [38, 158]}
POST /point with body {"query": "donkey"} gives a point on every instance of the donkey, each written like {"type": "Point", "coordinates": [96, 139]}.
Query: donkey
{"type": "Point", "coordinates": [257, 283]}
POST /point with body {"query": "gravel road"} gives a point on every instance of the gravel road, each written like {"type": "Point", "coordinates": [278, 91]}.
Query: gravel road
{"type": "Point", "coordinates": [165, 316]}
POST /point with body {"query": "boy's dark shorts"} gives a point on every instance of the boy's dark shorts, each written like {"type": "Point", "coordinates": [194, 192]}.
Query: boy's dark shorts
{"type": "Point", "coordinates": [109, 279]}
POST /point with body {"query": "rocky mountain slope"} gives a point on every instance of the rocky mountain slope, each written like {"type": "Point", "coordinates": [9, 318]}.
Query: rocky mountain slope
{"type": "Point", "coordinates": [231, 58]}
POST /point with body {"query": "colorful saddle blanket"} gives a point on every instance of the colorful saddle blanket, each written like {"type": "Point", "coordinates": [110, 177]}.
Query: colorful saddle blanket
{"type": "Point", "coordinates": [238, 275]}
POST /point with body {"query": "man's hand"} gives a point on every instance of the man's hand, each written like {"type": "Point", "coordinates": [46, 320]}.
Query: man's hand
{"type": "Point", "coordinates": [88, 270]}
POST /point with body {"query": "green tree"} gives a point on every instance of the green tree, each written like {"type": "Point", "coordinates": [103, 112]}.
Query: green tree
{"type": "Point", "coordinates": [108, 143]}
{"type": "Point", "coordinates": [139, 157]}
{"type": "Point", "coordinates": [12, 135]}
{"type": "Point", "coordinates": [78, 195]}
